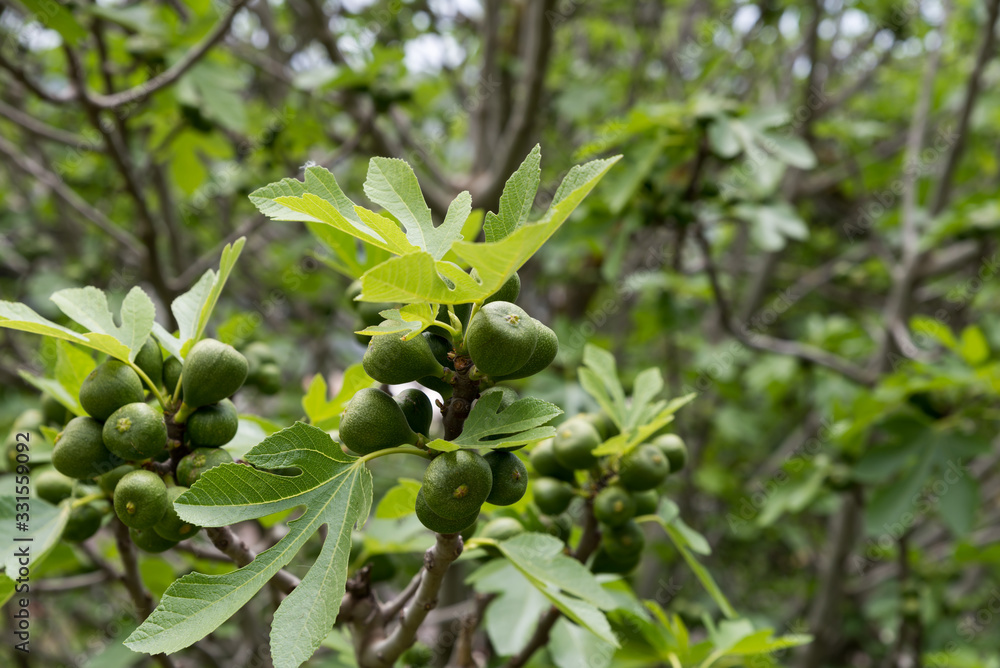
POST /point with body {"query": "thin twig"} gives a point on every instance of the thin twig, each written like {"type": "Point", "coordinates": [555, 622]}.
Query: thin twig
{"type": "Point", "coordinates": [233, 547]}
{"type": "Point", "coordinates": [174, 72]}
{"type": "Point", "coordinates": [771, 344]}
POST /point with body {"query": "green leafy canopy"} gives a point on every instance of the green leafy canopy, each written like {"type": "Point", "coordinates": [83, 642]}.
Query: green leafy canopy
{"type": "Point", "coordinates": [417, 271]}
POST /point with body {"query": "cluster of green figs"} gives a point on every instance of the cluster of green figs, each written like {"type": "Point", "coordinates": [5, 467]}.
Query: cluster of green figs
{"type": "Point", "coordinates": [127, 456]}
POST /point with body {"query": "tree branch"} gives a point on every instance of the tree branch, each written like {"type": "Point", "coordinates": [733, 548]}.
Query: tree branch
{"type": "Point", "coordinates": [226, 540]}
{"type": "Point", "coordinates": [437, 559]}
{"type": "Point", "coordinates": [45, 131]}
{"type": "Point", "coordinates": [944, 183]}
{"type": "Point", "coordinates": [72, 199]}
{"type": "Point", "coordinates": [171, 74]}
{"type": "Point", "coordinates": [771, 344]}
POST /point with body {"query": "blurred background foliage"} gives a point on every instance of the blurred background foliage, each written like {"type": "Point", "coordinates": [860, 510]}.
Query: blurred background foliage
{"type": "Point", "coordinates": [803, 230]}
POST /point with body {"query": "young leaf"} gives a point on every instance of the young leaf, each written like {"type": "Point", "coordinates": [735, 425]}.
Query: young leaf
{"type": "Point", "coordinates": [513, 615]}
{"type": "Point", "coordinates": [399, 500]}
{"type": "Point", "coordinates": [518, 423]}
{"type": "Point", "coordinates": [516, 200]}
{"type": "Point", "coordinates": [54, 388]}
{"type": "Point", "coordinates": [72, 367]}
{"type": "Point", "coordinates": [392, 185]}
{"type": "Point", "coordinates": [325, 413]}
{"type": "Point", "coordinates": [649, 426]}
{"type": "Point", "coordinates": [89, 307]}
{"type": "Point", "coordinates": [335, 489]}
{"type": "Point", "coordinates": [418, 277]}
{"type": "Point", "coordinates": [14, 315]}
{"type": "Point", "coordinates": [408, 322]}
{"type": "Point", "coordinates": [563, 580]}
{"type": "Point", "coordinates": [670, 520]}
{"type": "Point", "coordinates": [599, 377]}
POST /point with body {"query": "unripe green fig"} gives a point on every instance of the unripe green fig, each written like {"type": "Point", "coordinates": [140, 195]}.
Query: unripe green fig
{"type": "Point", "coordinates": [510, 478]}
{"type": "Point", "coordinates": [53, 412]}
{"type": "Point", "coordinates": [53, 486]}
{"type": "Point", "coordinates": [614, 506]}
{"type": "Point", "coordinates": [140, 499]}
{"type": "Point", "coordinates": [83, 522]}
{"type": "Point", "coordinates": [373, 421]}
{"type": "Point", "coordinates": [673, 447]}
{"type": "Point", "coordinates": [508, 292]}
{"type": "Point", "coordinates": [574, 443]}
{"type": "Point", "coordinates": [501, 528]}
{"type": "Point", "coordinates": [191, 466]}
{"type": "Point", "coordinates": [624, 542]}
{"type": "Point", "coordinates": [501, 338]}
{"type": "Point", "coordinates": [417, 409]}
{"type": "Point", "coordinates": [605, 563]}
{"type": "Point", "coordinates": [148, 540]}
{"type": "Point", "coordinates": [214, 425]}
{"type": "Point", "coordinates": [150, 360]}
{"type": "Point", "coordinates": [439, 524]}
{"type": "Point", "coordinates": [108, 387]}
{"type": "Point", "coordinates": [603, 423]}
{"type": "Point", "coordinates": [440, 348]}
{"type": "Point", "coordinates": [546, 349]}
{"type": "Point", "coordinates": [392, 361]}
{"type": "Point", "coordinates": [172, 368]}
{"type": "Point", "coordinates": [643, 468]}
{"type": "Point", "coordinates": [213, 371]}
{"type": "Point", "coordinates": [552, 496]}
{"type": "Point", "coordinates": [543, 460]}
{"type": "Point", "coordinates": [258, 354]}
{"type": "Point", "coordinates": [80, 452]}
{"type": "Point", "coordinates": [135, 431]}
{"type": "Point", "coordinates": [646, 502]}
{"type": "Point", "coordinates": [457, 483]}
{"type": "Point", "coordinates": [171, 526]}
{"type": "Point", "coordinates": [268, 379]}
{"type": "Point", "coordinates": [109, 481]}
